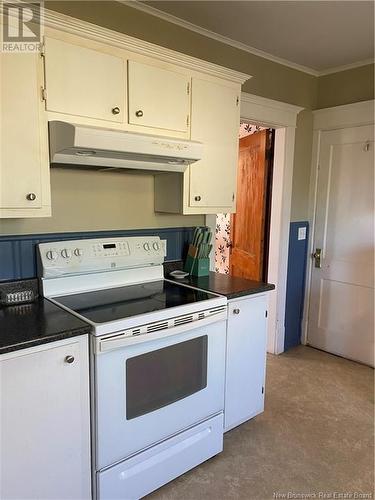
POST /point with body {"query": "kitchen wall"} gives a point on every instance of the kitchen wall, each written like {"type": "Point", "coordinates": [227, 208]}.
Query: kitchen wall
{"type": "Point", "coordinates": [89, 201]}
{"type": "Point", "coordinates": [345, 87]}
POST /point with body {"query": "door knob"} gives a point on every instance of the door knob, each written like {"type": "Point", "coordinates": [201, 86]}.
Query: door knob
{"type": "Point", "coordinates": [31, 196]}
{"type": "Point", "coordinates": [139, 113]}
{"type": "Point", "coordinates": [317, 256]}
{"type": "Point", "coordinates": [197, 198]}
{"type": "Point", "coordinates": [116, 110]}
{"type": "Point", "coordinates": [236, 311]}
{"type": "Point", "coordinates": [69, 359]}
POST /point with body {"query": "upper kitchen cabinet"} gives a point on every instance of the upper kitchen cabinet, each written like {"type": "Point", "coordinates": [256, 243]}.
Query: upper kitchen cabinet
{"type": "Point", "coordinates": [84, 82]}
{"type": "Point", "coordinates": [24, 167]}
{"type": "Point", "coordinates": [158, 98]}
{"type": "Point", "coordinates": [209, 185]}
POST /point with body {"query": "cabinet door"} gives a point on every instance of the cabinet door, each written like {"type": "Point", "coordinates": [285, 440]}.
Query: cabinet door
{"type": "Point", "coordinates": [158, 98]}
{"type": "Point", "coordinates": [246, 357]}
{"type": "Point", "coordinates": [24, 157]}
{"type": "Point", "coordinates": [84, 82]}
{"type": "Point", "coordinates": [215, 122]}
{"type": "Point", "coordinates": [44, 424]}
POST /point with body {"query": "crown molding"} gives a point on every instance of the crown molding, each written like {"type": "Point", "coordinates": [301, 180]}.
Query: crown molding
{"type": "Point", "coordinates": [97, 33]}
{"type": "Point", "coordinates": [148, 9]}
{"type": "Point", "coordinates": [134, 4]}
{"type": "Point", "coordinates": [345, 67]}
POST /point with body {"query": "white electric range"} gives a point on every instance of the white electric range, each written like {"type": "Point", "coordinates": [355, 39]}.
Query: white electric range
{"type": "Point", "coordinates": [157, 360]}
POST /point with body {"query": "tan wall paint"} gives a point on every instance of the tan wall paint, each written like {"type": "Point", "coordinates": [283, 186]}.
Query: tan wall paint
{"type": "Point", "coordinates": [346, 87]}
{"type": "Point", "coordinates": [90, 201]}
{"type": "Point", "coordinates": [84, 200]}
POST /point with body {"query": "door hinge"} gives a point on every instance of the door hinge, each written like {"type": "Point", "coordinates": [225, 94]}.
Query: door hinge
{"type": "Point", "coordinates": [188, 88]}
{"type": "Point", "coordinates": [42, 49]}
{"type": "Point", "coordinates": [237, 101]}
{"type": "Point", "coordinates": [262, 389]}
{"type": "Point", "coordinates": [43, 93]}
{"type": "Point", "coordinates": [266, 313]}
{"type": "Point", "coordinates": [187, 120]}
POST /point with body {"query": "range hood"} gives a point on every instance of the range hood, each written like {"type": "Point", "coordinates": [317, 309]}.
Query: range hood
{"type": "Point", "coordinates": [84, 146]}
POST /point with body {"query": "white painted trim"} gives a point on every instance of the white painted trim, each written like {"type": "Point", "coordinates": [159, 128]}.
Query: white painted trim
{"type": "Point", "coordinates": [153, 11]}
{"type": "Point", "coordinates": [345, 67]}
{"type": "Point", "coordinates": [97, 33]}
{"type": "Point", "coordinates": [269, 112]}
{"type": "Point", "coordinates": [283, 117]}
{"type": "Point", "coordinates": [348, 115]}
{"type": "Point", "coordinates": [148, 9]}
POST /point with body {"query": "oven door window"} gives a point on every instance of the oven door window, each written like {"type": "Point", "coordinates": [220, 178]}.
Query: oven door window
{"type": "Point", "coordinates": [162, 377]}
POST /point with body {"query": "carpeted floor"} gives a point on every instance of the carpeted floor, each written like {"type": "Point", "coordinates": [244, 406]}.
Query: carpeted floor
{"type": "Point", "coordinates": [316, 435]}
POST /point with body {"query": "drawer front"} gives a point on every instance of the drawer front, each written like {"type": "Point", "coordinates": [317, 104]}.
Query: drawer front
{"type": "Point", "coordinates": [147, 471]}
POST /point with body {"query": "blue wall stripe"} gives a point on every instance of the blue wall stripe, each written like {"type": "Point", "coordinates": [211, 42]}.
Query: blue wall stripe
{"type": "Point", "coordinates": [18, 252]}
{"type": "Point", "coordinates": [295, 287]}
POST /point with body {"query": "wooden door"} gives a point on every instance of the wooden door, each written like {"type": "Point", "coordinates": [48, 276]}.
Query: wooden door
{"type": "Point", "coordinates": [250, 223]}
{"type": "Point", "coordinates": [158, 98]}
{"type": "Point", "coordinates": [215, 122]}
{"type": "Point", "coordinates": [23, 156]}
{"type": "Point", "coordinates": [84, 82]}
{"type": "Point", "coordinates": [341, 311]}
{"type": "Point", "coordinates": [45, 422]}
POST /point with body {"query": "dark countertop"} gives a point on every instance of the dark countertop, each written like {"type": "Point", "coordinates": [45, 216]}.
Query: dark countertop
{"type": "Point", "coordinates": [37, 323]}
{"type": "Point", "coordinates": [222, 284]}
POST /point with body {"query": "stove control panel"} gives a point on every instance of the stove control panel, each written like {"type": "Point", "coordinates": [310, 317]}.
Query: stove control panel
{"type": "Point", "coordinates": [90, 255]}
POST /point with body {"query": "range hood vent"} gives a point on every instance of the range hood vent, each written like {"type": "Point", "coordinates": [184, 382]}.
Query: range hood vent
{"type": "Point", "coordinates": [84, 146]}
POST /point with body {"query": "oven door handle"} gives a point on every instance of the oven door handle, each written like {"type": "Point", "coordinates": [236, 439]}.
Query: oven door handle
{"type": "Point", "coordinates": [108, 344]}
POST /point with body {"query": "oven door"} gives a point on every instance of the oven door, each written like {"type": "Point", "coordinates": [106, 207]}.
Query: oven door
{"type": "Point", "coordinates": [154, 387]}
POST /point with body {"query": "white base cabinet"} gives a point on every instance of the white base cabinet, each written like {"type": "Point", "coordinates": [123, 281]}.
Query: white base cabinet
{"type": "Point", "coordinates": [45, 422]}
{"type": "Point", "coordinates": [246, 359]}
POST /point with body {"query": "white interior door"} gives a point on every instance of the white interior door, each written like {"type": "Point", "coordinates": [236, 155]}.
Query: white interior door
{"type": "Point", "coordinates": [341, 316]}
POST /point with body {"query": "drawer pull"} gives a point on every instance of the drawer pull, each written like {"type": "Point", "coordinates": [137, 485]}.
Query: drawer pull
{"type": "Point", "coordinates": [197, 198]}
{"type": "Point", "coordinates": [31, 196]}
{"type": "Point", "coordinates": [116, 110]}
{"type": "Point", "coordinates": [69, 359]}
{"type": "Point", "coordinates": [236, 311]}
{"type": "Point", "coordinates": [139, 113]}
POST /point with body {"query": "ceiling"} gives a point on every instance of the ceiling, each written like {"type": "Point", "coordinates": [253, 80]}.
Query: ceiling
{"type": "Point", "coordinates": [315, 35]}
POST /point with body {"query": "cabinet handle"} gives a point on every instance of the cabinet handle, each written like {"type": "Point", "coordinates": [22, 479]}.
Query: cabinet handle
{"type": "Point", "coordinates": [69, 359]}
{"type": "Point", "coordinates": [197, 198]}
{"type": "Point", "coordinates": [116, 110]}
{"type": "Point", "coordinates": [139, 113]}
{"type": "Point", "coordinates": [236, 311]}
{"type": "Point", "coordinates": [31, 196]}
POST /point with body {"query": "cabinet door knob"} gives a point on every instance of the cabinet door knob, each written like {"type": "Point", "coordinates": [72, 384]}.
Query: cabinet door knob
{"type": "Point", "coordinates": [197, 198]}
{"type": "Point", "coordinates": [69, 359]}
{"type": "Point", "coordinates": [139, 113]}
{"type": "Point", "coordinates": [236, 311]}
{"type": "Point", "coordinates": [31, 196]}
{"type": "Point", "coordinates": [116, 110]}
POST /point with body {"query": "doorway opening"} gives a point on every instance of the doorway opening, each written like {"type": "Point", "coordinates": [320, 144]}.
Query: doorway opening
{"type": "Point", "coordinates": [242, 239]}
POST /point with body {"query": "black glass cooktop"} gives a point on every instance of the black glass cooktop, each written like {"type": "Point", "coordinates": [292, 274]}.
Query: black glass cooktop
{"type": "Point", "coordinates": [102, 306]}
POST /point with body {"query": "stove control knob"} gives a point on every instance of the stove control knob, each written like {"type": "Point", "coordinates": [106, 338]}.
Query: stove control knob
{"type": "Point", "coordinates": [156, 246]}
{"type": "Point", "coordinates": [66, 253]}
{"type": "Point", "coordinates": [78, 252]}
{"type": "Point", "coordinates": [146, 246]}
{"type": "Point", "coordinates": [52, 255]}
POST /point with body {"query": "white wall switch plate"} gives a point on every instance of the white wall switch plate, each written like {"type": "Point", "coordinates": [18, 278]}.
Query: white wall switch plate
{"type": "Point", "coordinates": [164, 245]}
{"type": "Point", "coordinates": [302, 233]}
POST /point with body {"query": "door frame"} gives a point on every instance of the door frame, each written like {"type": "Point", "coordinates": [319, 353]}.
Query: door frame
{"type": "Point", "coordinates": [338, 117]}
{"type": "Point", "coordinates": [282, 117]}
